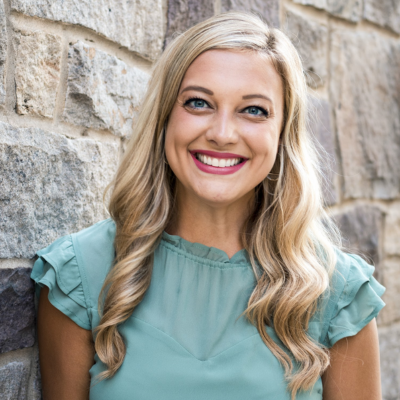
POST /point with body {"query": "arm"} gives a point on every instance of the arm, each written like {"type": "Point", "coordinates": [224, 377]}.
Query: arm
{"type": "Point", "coordinates": [354, 373]}
{"type": "Point", "coordinates": [66, 353]}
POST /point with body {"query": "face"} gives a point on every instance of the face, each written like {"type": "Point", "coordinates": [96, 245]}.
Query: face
{"type": "Point", "coordinates": [223, 133]}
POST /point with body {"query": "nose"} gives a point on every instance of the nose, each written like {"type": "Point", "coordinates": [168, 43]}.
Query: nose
{"type": "Point", "coordinates": [223, 130]}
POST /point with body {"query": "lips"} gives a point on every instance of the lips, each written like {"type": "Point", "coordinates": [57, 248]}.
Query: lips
{"type": "Point", "coordinates": [218, 163]}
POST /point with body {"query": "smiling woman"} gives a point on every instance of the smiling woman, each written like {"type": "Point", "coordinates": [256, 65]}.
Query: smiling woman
{"type": "Point", "coordinates": [218, 275]}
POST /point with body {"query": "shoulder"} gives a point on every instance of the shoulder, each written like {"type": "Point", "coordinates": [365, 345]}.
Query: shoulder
{"type": "Point", "coordinates": [81, 261]}
{"type": "Point", "coordinates": [74, 268]}
{"type": "Point", "coordinates": [352, 300]}
{"type": "Point", "coordinates": [95, 253]}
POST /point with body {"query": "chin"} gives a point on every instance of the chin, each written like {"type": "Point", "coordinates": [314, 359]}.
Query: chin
{"type": "Point", "coordinates": [218, 198]}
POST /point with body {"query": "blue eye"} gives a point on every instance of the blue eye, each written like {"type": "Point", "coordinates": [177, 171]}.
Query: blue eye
{"type": "Point", "coordinates": [196, 103]}
{"type": "Point", "coordinates": [255, 111]}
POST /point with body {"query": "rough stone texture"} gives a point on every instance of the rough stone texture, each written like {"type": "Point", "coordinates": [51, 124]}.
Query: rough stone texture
{"type": "Point", "coordinates": [37, 73]}
{"type": "Point", "coordinates": [391, 280]}
{"type": "Point", "coordinates": [103, 92]}
{"type": "Point", "coordinates": [383, 12]}
{"type": "Point", "coordinates": [389, 342]}
{"type": "Point", "coordinates": [365, 91]}
{"type": "Point", "coordinates": [3, 52]}
{"type": "Point", "coordinates": [268, 9]}
{"type": "Point", "coordinates": [17, 309]}
{"type": "Point", "coordinates": [361, 229]}
{"type": "Point", "coordinates": [311, 41]}
{"type": "Point", "coordinates": [14, 380]}
{"type": "Point", "coordinates": [183, 14]}
{"type": "Point", "coordinates": [392, 231]}
{"type": "Point", "coordinates": [35, 381]}
{"type": "Point", "coordinates": [49, 186]}
{"type": "Point", "coordinates": [320, 127]}
{"type": "Point", "coordinates": [135, 24]}
{"type": "Point", "coordinates": [346, 9]}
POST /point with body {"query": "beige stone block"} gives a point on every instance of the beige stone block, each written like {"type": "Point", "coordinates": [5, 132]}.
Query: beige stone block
{"type": "Point", "coordinates": [49, 186]}
{"type": "Point", "coordinates": [103, 92]}
{"type": "Point", "coordinates": [389, 343]}
{"type": "Point", "coordinates": [365, 87]}
{"type": "Point", "coordinates": [37, 73]}
{"type": "Point", "coordinates": [383, 12]}
{"type": "Point", "coordinates": [268, 9]}
{"type": "Point", "coordinates": [392, 231]}
{"type": "Point", "coordinates": [311, 41]}
{"type": "Point", "coordinates": [346, 9]}
{"type": "Point", "coordinates": [135, 24]}
{"type": "Point", "coordinates": [391, 280]}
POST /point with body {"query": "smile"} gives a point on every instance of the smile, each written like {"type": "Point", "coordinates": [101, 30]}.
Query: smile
{"type": "Point", "coordinates": [218, 162]}
{"type": "Point", "coordinates": [214, 162]}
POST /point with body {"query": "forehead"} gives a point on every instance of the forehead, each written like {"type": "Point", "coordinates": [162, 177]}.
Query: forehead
{"type": "Point", "coordinates": [235, 71]}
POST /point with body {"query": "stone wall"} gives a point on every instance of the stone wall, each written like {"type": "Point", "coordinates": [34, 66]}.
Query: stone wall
{"type": "Point", "coordinates": [71, 79]}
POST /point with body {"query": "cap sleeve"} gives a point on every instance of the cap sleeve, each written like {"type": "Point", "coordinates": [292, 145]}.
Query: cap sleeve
{"type": "Point", "coordinates": [57, 268]}
{"type": "Point", "coordinates": [359, 302]}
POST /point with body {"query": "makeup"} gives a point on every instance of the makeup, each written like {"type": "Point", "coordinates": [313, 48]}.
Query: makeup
{"type": "Point", "coordinates": [214, 162]}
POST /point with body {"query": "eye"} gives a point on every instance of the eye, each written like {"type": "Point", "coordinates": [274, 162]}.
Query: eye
{"type": "Point", "coordinates": [257, 111]}
{"type": "Point", "coordinates": [196, 103]}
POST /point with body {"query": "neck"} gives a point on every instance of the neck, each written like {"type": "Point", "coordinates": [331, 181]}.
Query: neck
{"type": "Point", "coordinates": [213, 225]}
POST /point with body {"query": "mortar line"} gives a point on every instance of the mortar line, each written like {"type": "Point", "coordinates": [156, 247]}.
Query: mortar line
{"type": "Point", "coordinates": [217, 7]}
{"type": "Point", "coordinates": [68, 130]}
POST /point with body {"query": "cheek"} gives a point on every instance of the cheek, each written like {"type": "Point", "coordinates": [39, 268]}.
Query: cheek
{"type": "Point", "coordinates": [264, 145]}
{"type": "Point", "coordinates": [183, 128]}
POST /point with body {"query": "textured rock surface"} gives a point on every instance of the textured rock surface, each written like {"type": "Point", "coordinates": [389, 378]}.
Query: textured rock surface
{"type": "Point", "coordinates": [49, 186]}
{"type": "Point", "coordinates": [311, 41]}
{"type": "Point", "coordinates": [36, 378]}
{"type": "Point", "coordinates": [3, 52]}
{"type": "Point", "coordinates": [182, 14]}
{"type": "Point", "coordinates": [17, 309]}
{"type": "Point", "coordinates": [103, 92]}
{"type": "Point", "coordinates": [347, 9]}
{"type": "Point", "coordinates": [392, 231]}
{"type": "Point", "coordinates": [37, 73]}
{"type": "Point", "coordinates": [268, 9]}
{"type": "Point", "coordinates": [135, 24]}
{"type": "Point", "coordinates": [14, 380]}
{"type": "Point", "coordinates": [320, 127]}
{"type": "Point", "coordinates": [383, 12]}
{"type": "Point", "coordinates": [365, 90]}
{"type": "Point", "coordinates": [389, 343]}
{"type": "Point", "coordinates": [391, 280]}
{"type": "Point", "coordinates": [361, 229]}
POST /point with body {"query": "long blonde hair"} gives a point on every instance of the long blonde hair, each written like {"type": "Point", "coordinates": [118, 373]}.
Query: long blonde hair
{"type": "Point", "coordinates": [289, 234]}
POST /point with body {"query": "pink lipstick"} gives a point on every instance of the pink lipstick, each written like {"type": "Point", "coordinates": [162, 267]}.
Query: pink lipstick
{"type": "Point", "coordinates": [223, 163]}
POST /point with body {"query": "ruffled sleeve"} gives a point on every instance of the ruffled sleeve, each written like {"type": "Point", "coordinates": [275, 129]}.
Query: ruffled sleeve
{"type": "Point", "coordinates": [358, 296]}
{"type": "Point", "coordinates": [57, 268]}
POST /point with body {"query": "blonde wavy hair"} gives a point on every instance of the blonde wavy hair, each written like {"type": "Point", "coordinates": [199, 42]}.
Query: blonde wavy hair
{"type": "Point", "coordinates": [289, 234]}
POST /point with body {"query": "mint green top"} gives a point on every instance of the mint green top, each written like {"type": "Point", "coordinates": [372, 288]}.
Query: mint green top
{"type": "Point", "coordinates": [186, 339]}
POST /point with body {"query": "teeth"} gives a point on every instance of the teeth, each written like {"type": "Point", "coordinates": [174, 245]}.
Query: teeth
{"type": "Point", "coordinates": [217, 162]}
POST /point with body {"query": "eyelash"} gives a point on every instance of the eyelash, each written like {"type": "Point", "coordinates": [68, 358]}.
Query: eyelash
{"type": "Point", "coordinates": [263, 110]}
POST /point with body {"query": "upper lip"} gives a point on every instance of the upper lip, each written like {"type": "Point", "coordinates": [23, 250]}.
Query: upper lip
{"type": "Point", "coordinates": [217, 154]}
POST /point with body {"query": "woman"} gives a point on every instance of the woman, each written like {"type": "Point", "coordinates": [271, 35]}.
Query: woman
{"type": "Point", "coordinates": [218, 276]}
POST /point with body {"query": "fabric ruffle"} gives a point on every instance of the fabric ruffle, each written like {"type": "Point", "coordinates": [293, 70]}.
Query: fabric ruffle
{"type": "Point", "coordinates": [359, 302]}
{"type": "Point", "coordinates": [57, 268]}
{"type": "Point", "coordinates": [202, 251]}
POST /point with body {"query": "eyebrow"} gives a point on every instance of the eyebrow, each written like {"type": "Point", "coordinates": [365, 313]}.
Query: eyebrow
{"type": "Point", "coordinates": [199, 89]}
{"type": "Point", "coordinates": [256, 96]}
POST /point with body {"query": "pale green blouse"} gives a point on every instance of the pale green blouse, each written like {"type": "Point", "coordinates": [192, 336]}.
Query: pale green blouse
{"type": "Point", "coordinates": [187, 339]}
